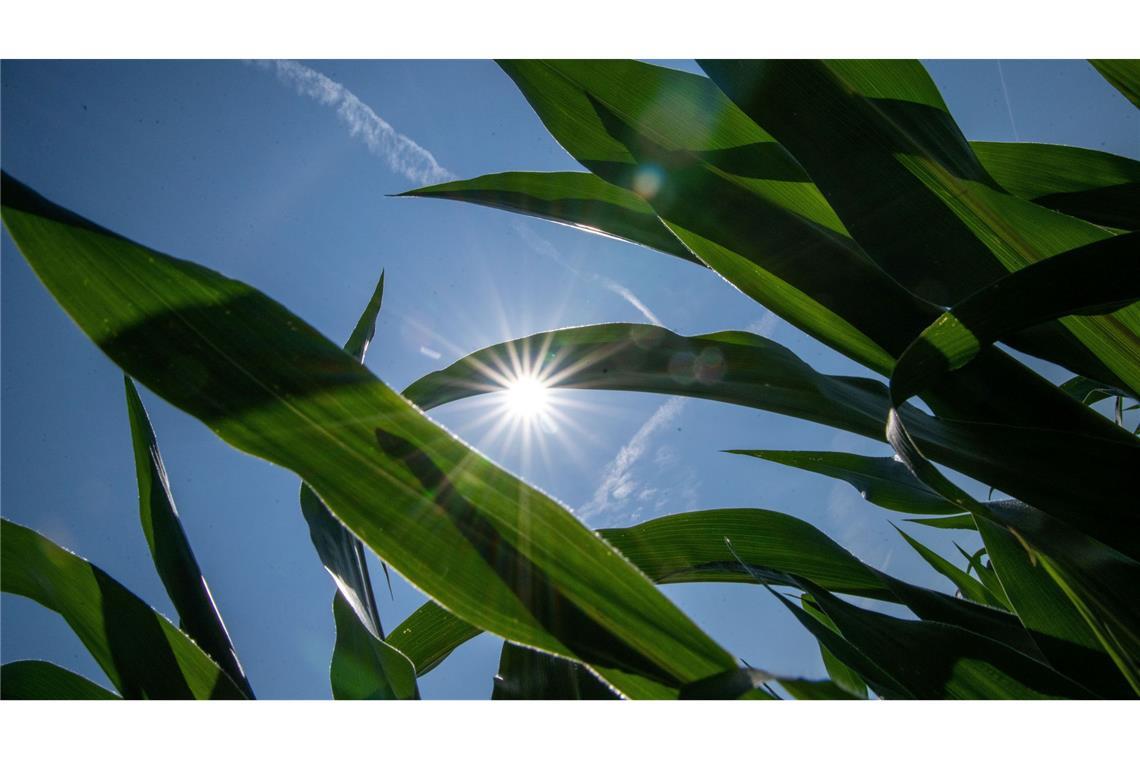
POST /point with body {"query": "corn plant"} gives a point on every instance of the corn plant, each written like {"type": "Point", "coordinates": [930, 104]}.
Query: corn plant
{"type": "Point", "coordinates": [839, 195]}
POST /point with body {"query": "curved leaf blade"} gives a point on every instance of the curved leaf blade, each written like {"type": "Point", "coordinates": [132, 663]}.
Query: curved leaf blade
{"type": "Point", "coordinates": [36, 679]}
{"type": "Point", "coordinates": [364, 666]}
{"type": "Point", "coordinates": [1123, 74]}
{"type": "Point", "coordinates": [170, 549]}
{"type": "Point", "coordinates": [880, 480]}
{"type": "Point", "coordinates": [140, 651]}
{"type": "Point", "coordinates": [494, 550]}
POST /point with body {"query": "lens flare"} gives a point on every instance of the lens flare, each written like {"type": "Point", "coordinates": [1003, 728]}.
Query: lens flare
{"type": "Point", "coordinates": [527, 398]}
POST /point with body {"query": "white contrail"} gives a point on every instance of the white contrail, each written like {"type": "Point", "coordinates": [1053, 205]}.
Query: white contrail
{"type": "Point", "coordinates": [402, 154]}
{"type": "Point", "coordinates": [544, 247]}
{"type": "Point", "coordinates": [618, 484]}
{"type": "Point", "coordinates": [1008, 105]}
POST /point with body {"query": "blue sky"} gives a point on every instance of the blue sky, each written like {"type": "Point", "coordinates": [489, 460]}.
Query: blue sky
{"type": "Point", "coordinates": [279, 176]}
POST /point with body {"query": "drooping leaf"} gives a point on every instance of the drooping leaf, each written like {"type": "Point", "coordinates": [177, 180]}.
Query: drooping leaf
{"type": "Point", "coordinates": [1104, 276]}
{"type": "Point", "coordinates": [140, 651]}
{"type": "Point", "coordinates": [762, 547]}
{"type": "Point", "coordinates": [530, 674]}
{"type": "Point", "coordinates": [363, 665]}
{"type": "Point", "coordinates": [170, 549]}
{"type": "Point", "coordinates": [880, 480]}
{"type": "Point", "coordinates": [498, 553]}
{"type": "Point", "coordinates": [986, 575]}
{"type": "Point", "coordinates": [429, 635]}
{"type": "Point", "coordinates": [862, 130]}
{"type": "Point", "coordinates": [579, 199]}
{"type": "Point", "coordinates": [735, 367]}
{"type": "Point", "coordinates": [964, 521]}
{"type": "Point", "coordinates": [1095, 186]}
{"type": "Point", "coordinates": [36, 679]}
{"type": "Point", "coordinates": [841, 675]}
{"type": "Point", "coordinates": [971, 588]}
{"type": "Point", "coordinates": [1055, 624]}
{"type": "Point", "coordinates": [746, 369]}
{"type": "Point", "coordinates": [1092, 573]}
{"type": "Point", "coordinates": [937, 661]}
{"type": "Point", "coordinates": [690, 547]}
{"type": "Point", "coordinates": [1123, 74]}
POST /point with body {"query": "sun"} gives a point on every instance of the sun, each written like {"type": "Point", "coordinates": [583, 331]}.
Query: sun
{"type": "Point", "coordinates": [527, 398]}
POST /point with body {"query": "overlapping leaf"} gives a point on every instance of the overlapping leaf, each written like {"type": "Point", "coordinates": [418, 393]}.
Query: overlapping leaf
{"type": "Point", "coordinates": [173, 557]}
{"type": "Point", "coordinates": [498, 553]}
{"type": "Point", "coordinates": [140, 651]}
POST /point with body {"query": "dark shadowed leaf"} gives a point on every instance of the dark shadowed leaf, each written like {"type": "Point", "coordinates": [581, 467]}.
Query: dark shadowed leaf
{"type": "Point", "coordinates": [579, 199]}
{"type": "Point", "coordinates": [170, 549]}
{"type": "Point", "coordinates": [140, 651]}
{"type": "Point", "coordinates": [880, 480]}
{"type": "Point", "coordinates": [530, 674]}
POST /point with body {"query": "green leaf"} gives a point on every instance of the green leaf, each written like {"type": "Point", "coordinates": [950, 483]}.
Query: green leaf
{"type": "Point", "coordinates": [690, 547]}
{"type": "Point", "coordinates": [757, 208]}
{"type": "Point", "coordinates": [1098, 187]}
{"type": "Point", "coordinates": [735, 367]}
{"type": "Point", "coordinates": [746, 369]}
{"type": "Point", "coordinates": [1055, 624]}
{"type": "Point", "coordinates": [1085, 390]}
{"type": "Point", "coordinates": [140, 651]}
{"type": "Point", "coordinates": [861, 129]}
{"type": "Point", "coordinates": [971, 588]}
{"type": "Point", "coordinates": [363, 665]}
{"type": "Point", "coordinates": [530, 674]}
{"type": "Point", "coordinates": [842, 676]}
{"type": "Point", "coordinates": [496, 552]}
{"type": "Point", "coordinates": [964, 521]}
{"type": "Point", "coordinates": [36, 679]}
{"type": "Point", "coordinates": [429, 635]}
{"type": "Point", "coordinates": [579, 199]}
{"type": "Point", "coordinates": [802, 688]}
{"type": "Point", "coordinates": [880, 480]}
{"type": "Point", "coordinates": [343, 555]}
{"type": "Point", "coordinates": [1122, 74]}
{"type": "Point", "coordinates": [763, 547]}
{"type": "Point", "coordinates": [936, 661]}
{"type": "Point", "coordinates": [173, 557]}
{"type": "Point", "coordinates": [1090, 572]}
{"type": "Point", "coordinates": [986, 575]}
{"type": "Point", "coordinates": [1102, 276]}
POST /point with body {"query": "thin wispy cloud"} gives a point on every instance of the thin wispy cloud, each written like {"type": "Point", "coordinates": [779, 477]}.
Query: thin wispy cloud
{"type": "Point", "coordinates": [619, 485]}
{"type": "Point", "coordinates": [402, 154]}
{"type": "Point", "coordinates": [544, 247]}
{"type": "Point", "coordinates": [765, 326]}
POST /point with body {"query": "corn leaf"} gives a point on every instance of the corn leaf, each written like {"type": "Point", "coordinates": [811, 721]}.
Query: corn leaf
{"type": "Point", "coordinates": [578, 199]}
{"type": "Point", "coordinates": [143, 654]}
{"type": "Point", "coordinates": [170, 549]}
{"type": "Point", "coordinates": [363, 665]}
{"type": "Point", "coordinates": [862, 130]}
{"type": "Point", "coordinates": [932, 660]}
{"type": "Point", "coordinates": [1064, 638]}
{"type": "Point", "coordinates": [964, 521]}
{"type": "Point", "coordinates": [842, 676]}
{"type": "Point", "coordinates": [36, 679]}
{"type": "Point", "coordinates": [498, 553]}
{"type": "Point", "coordinates": [971, 588]}
{"type": "Point", "coordinates": [530, 674]}
{"type": "Point", "coordinates": [884, 481]}
{"type": "Point", "coordinates": [1098, 187]}
{"type": "Point", "coordinates": [1027, 461]}
{"type": "Point", "coordinates": [1123, 74]}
